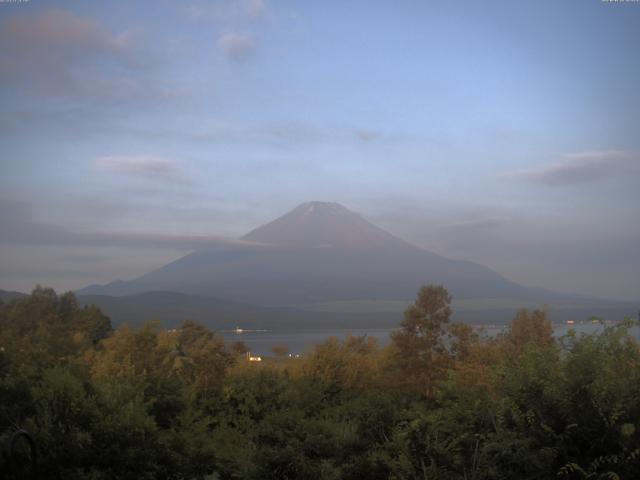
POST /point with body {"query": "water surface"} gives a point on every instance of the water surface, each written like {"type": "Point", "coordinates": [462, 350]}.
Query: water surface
{"type": "Point", "coordinates": [260, 342]}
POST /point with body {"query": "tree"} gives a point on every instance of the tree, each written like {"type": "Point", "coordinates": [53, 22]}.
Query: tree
{"type": "Point", "coordinates": [44, 329]}
{"type": "Point", "coordinates": [532, 328]}
{"type": "Point", "coordinates": [462, 338]}
{"type": "Point", "coordinates": [280, 350]}
{"type": "Point", "coordinates": [421, 351]}
{"type": "Point", "coordinates": [239, 348]}
{"type": "Point", "coordinates": [350, 364]}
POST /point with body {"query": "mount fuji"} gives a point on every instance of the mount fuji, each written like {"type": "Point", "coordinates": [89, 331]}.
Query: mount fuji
{"type": "Point", "coordinates": [334, 266]}
{"type": "Point", "coordinates": [318, 252]}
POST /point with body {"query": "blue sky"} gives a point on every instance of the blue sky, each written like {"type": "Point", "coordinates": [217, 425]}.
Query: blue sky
{"type": "Point", "coordinates": [507, 133]}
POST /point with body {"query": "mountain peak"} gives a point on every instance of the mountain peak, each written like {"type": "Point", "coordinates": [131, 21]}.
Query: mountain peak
{"type": "Point", "coordinates": [316, 206]}
{"type": "Point", "coordinates": [323, 224]}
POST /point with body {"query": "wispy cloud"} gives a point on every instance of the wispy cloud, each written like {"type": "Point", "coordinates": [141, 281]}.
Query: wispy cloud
{"type": "Point", "coordinates": [148, 166]}
{"type": "Point", "coordinates": [584, 167]}
{"type": "Point", "coordinates": [234, 21]}
{"type": "Point", "coordinates": [237, 46]}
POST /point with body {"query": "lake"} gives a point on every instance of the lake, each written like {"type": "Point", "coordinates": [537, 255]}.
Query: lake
{"type": "Point", "coordinates": [260, 342]}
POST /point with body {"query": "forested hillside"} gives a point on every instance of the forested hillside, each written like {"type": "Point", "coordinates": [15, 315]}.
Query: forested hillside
{"type": "Point", "coordinates": [440, 402]}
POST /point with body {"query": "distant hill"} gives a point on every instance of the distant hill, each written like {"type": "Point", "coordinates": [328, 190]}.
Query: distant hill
{"type": "Point", "coordinates": [7, 296]}
{"type": "Point", "coordinates": [171, 308]}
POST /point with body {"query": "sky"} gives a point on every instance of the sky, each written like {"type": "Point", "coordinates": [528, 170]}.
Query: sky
{"type": "Point", "coordinates": [507, 133]}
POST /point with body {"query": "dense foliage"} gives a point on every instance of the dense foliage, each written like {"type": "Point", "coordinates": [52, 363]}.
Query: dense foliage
{"type": "Point", "coordinates": [440, 402]}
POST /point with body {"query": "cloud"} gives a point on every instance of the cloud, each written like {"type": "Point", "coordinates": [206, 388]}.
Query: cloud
{"type": "Point", "coordinates": [57, 53]}
{"type": "Point", "coordinates": [237, 46]}
{"type": "Point", "coordinates": [66, 36]}
{"type": "Point", "coordinates": [236, 19]}
{"type": "Point", "coordinates": [148, 166]}
{"type": "Point", "coordinates": [584, 167]}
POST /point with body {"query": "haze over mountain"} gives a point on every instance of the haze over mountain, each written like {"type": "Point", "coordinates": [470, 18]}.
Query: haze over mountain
{"type": "Point", "coordinates": [318, 252]}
